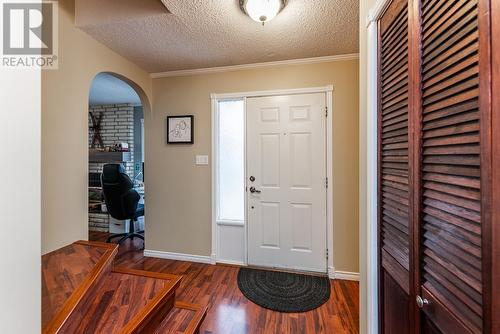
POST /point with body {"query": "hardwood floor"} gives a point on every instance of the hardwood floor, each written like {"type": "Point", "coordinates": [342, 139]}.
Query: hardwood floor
{"type": "Point", "coordinates": [230, 312]}
{"type": "Point", "coordinates": [120, 298]}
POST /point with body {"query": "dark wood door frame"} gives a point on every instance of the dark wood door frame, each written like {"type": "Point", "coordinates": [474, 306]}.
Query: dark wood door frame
{"type": "Point", "coordinates": [486, 156]}
{"type": "Point", "coordinates": [415, 154]}
{"type": "Point", "coordinates": [489, 43]}
{"type": "Point", "coordinates": [495, 163]}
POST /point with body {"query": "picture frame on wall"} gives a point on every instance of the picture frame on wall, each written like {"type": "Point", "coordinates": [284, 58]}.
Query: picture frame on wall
{"type": "Point", "coordinates": [180, 129]}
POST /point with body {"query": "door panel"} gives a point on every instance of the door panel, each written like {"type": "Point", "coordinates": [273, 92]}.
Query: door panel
{"type": "Point", "coordinates": [396, 311]}
{"type": "Point", "coordinates": [451, 248]}
{"type": "Point", "coordinates": [270, 158]}
{"type": "Point", "coordinates": [270, 225]}
{"type": "Point", "coordinates": [286, 153]}
{"type": "Point", "coordinates": [394, 168]}
{"type": "Point", "coordinates": [302, 226]}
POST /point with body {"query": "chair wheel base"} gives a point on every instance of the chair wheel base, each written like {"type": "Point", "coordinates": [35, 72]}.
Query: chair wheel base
{"type": "Point", "coordinates": [125, 236]}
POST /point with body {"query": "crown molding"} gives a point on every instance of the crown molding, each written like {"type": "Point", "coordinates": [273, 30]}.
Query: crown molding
{"type": "Point", "coordinates": [209, 70]}
{"type": "Point", "coordinates": [164, 2]}
{"type": "Point", "coordinates": [377, 11]}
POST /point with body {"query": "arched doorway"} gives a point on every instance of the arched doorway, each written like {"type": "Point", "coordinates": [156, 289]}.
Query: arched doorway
{"type": "Point", "coordinates": [116, 135]}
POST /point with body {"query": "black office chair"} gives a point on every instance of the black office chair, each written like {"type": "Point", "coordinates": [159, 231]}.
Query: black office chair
{"type": "Point", "coordinates": [122, 200]}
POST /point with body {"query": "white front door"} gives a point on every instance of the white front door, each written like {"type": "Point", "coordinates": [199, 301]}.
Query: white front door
{"type": "Point", "coordinates": [286, 175]}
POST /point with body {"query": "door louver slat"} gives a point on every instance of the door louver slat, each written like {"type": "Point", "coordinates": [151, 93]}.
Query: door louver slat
{"type": "Point", "coordinates": [451, 209]}
{"type": "Point", "coordinates": [394, 196]}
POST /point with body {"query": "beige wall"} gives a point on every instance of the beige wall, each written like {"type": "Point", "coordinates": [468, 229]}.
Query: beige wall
{"type": "Point", "coordinates": [364, 8]}
{"type": "Point", "coordinates": [178, 217]}
{"type": "Point", "coordinates": [178, 193]}
{"type": "Point", "coordinates": [65, 128]}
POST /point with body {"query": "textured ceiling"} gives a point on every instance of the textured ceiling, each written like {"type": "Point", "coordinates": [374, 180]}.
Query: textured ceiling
{"type": "Point", "coordinates": [107, 89]}
{"type": "Point", "coordinates": [210, 33]}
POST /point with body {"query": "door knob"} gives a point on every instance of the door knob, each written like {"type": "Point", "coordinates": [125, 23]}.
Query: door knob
{"type": "Point", "coordinates": [421, 302]}
{"type": "Point", "coordinates": [253, 190]}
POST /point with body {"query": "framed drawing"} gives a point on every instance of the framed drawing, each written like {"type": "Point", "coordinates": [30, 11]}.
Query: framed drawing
{"type": "Point", "coordinates": [180, 129]}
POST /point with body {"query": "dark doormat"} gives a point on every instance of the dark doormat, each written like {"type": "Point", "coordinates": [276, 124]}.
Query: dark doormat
{"type": "Point", "coordinates": [283, 292]}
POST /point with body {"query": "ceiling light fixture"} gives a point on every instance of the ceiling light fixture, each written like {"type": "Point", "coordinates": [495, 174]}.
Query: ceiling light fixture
{"type": "Point", "coordinates": [262, 10]}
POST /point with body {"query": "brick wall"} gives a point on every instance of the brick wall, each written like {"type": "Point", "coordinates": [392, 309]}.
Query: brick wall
{"type": "Point", "coordinates": [117, 126]}
{"type": "Point", "coordinates": [98, 222]}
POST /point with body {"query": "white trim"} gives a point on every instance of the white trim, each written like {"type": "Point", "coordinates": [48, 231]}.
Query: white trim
{"type": "Point", "coordinates": [215, 130]}
{"type": "Point", "coordinates": [328, 90]}
{"type": "Point", "coordinates": [230, 222]}
{"type": "Point", "coordinates": [277, 92]}
{"type": "Point", "coordinates": [143, 143]}
{"type": "Point", "coordinates": [347, 276]}
{"type": "Point", "coordinates": [180, 256]}
{"type": "Point", "coordinates": [245, 256]}
{"type": "Point", "coordinates": [301, 61]}
{"type": "Point", "coordinates": [342, 275]}
{"type": "Point", "coordinates": [377, 11]}
{"type": "Point", "coordinates": [372, 314]}
{"type": "Point", "coordinates": [329, 175]}
{"type": "Point", "coordinates": [331, 272]}
{"type": "Point", "coordinates": [232, 263]}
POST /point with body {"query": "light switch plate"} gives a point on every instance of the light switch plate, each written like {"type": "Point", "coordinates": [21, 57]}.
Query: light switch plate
{"type": "Point", "coordinates": [202, 159]}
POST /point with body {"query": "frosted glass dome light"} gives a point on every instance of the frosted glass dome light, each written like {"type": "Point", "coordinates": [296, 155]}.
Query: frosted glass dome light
{"type": "Point", "coordinates": [262, 11]}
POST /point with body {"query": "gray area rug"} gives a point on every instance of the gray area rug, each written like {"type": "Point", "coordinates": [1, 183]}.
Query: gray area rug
{"type": "Point", "coordinates": [283, 292]}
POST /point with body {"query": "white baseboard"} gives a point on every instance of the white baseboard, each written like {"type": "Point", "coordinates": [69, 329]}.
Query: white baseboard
{"type": "Point", "coordinates": [179, 256]}
{"type": "Point", "coordinates": [232, 263]}
{"type": "Point", "coordinates": [331, 272]}
{"type": "Point", "coordinates": [347, 276]}
{"type": "Point", "coordinates": [342, 275]}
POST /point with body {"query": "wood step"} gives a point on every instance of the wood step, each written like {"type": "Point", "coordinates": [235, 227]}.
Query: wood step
{"type": "Point", "coordinates": [126, 301]}
{"type": "Point", "coordinates": [82, 293]}
{"type": "Point", "coordinates": [183, 318]}
{"type": "Point", "coordinates": [67, 275]}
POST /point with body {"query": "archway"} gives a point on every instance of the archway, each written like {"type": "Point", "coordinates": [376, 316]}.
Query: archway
{"type": "Point", "coordinates": [116, 109]}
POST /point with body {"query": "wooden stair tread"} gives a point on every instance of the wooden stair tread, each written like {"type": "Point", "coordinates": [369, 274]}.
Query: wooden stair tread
{"type": "Point", "coordinates": [66, 275]}
{"type": "Point", "coordinates": [183, 318]}
{"type": "Point", "coordinates": [124, 302]}
{"type": "Point", "coordinates": [83, 293]}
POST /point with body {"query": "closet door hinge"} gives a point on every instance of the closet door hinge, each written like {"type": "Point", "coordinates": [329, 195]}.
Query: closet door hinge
{"type": "Point", "coordinates": [326, 111]}
{"type": "Point", "coordinates": [326, 183]}
{"type": "Point", "coordinates": [327, 253]}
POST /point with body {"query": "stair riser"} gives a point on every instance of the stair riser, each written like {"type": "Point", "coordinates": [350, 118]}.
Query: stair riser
{"type": "Point", "coordinates": [155, 318]}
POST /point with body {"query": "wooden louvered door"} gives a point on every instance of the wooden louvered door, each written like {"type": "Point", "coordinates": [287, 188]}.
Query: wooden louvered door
{"type": "Point", "coordinates": [451, 219]}
{"type": "Point", "coordinates": [394, 191]}
{"type": "Point", "coordinates": [437, 153]}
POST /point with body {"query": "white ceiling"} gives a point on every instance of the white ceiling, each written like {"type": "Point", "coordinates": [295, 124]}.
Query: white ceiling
{"type": "Point", "coordinates": [201, 33]}
{"type": "Point", "coordinates": [107, 89]}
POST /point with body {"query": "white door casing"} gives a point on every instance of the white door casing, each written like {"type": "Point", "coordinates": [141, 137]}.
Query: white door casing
{"type": "Point", "coordinates": [286, 154]}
